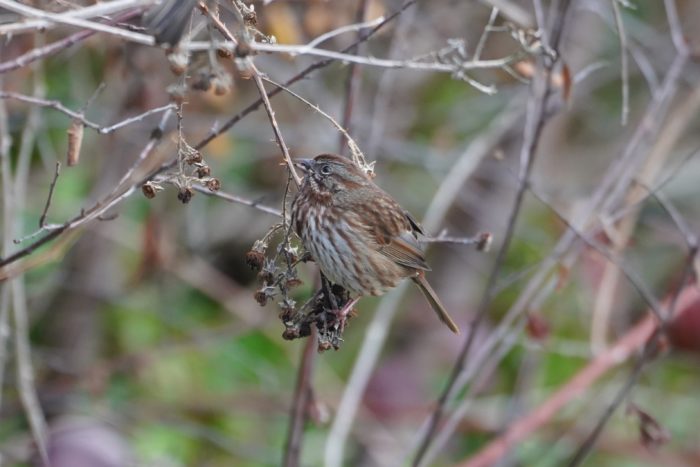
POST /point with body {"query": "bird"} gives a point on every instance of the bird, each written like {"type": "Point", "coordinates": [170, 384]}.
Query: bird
{"type": "Point", "coordinates": [358, 235]}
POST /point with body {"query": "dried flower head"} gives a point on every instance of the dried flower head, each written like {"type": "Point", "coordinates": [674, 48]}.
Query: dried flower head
{"type": "Point", "coordinates": [149, 190]}
{"type": "Point", "coordinates": [203, 171]}
{"type": "Point", "coordinates": [185, 194]}
{"type": "Point", "coordinates": [194, 157]}
{"type": "Point", "coordinates": [254, 259]}
{"type": "Point", "coordinates": [261, 297]}
{"type": "Point", "coordinates": [213, 184]}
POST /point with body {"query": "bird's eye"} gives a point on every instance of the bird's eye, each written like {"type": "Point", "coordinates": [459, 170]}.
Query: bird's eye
{"type": "Point", "coordinates": [326, 169]}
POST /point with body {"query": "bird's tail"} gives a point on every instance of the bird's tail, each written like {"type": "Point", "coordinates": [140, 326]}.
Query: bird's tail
{"type": "Point", "coordinates": [435, 303]}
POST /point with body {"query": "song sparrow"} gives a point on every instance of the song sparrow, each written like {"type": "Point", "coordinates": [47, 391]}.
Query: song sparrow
{"type": "Point", "coordinates": [358, 235]}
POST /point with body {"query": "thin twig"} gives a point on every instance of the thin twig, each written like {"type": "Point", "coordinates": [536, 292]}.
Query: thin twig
{"type": "Point", "coordinates": [485, 34]}
{"type": "Point", "coordinates": [674, 23]}
{"type": "Point", "coordinates": [357, 27]}
{"type": "Point", "coordinates": [42, 219]}
{"type": "Point", "coordinates": [238, 200]}
{"type": "Point", "coordinates": [477, 240]}
{"type": "Point", "coordinates": [275, 127]}
{"type": "Point", "coordinates": [624, 61]}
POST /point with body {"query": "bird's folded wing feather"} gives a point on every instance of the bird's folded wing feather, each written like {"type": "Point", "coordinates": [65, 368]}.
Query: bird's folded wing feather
{"type": "Point", "coordinates": [404, 250]}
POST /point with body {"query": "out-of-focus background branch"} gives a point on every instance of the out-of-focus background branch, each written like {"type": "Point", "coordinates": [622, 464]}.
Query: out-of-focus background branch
{"type": "Point", "coordinates": [129, 328]}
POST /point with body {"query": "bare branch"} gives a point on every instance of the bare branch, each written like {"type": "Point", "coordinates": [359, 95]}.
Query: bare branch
{"type": "Point", "coordinates": [92, 11]}
{"type": "Point", "coordinates": [25, 10]}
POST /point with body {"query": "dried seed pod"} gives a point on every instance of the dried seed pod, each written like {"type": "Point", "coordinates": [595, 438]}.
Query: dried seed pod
{"type": "Point", "coordinates": [149, 190]}
{"type": "Point", "coordinates": [185, 194]}
{"type": "Point", "coordinates": [203, 171]}
{"type": "Point", "coordinates": [254, 259]}
{"type": "Point", "coordinates": [261, 297]}
{"type": "Point", "coordinates": [75, 142]}
{"type": "Point", "coordinates": [266, 276]}
{"type": "Point", "coordinates": [194, 157]}
{"type": "Point", "coordinates": [250, 17]}
{"type": "Point", "coordinates": [213, 184]}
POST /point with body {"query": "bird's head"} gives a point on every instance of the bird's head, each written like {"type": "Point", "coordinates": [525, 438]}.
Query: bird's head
{"type": "Point", "coordinates": [331, 174]}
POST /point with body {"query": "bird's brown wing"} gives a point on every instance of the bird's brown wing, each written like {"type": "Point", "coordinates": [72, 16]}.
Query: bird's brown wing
{"type": "Point", "coordinates": [393, 231]}
{"type": "Point", "coordinates": [404, 250]}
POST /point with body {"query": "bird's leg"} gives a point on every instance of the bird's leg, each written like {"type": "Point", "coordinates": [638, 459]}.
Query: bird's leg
{"type": "Point", "coordinates": [343, 313]}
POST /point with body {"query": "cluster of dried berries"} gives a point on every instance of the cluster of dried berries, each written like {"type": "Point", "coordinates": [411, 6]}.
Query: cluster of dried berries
{"type": "Point", "coordinates": [205, 70]}
{"type": "Point", "coordinates": [192, 169]}
{"type": "Point", "coordinates": [278, 276]}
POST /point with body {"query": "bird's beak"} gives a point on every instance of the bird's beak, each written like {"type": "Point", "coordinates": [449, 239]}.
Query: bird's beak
{"type": "Point", "coordinates": [304, 164]}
